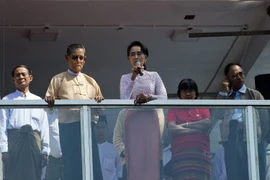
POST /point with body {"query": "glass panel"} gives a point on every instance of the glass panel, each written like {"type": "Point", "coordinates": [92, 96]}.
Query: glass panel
{"type": "Point", "coordinates": [54, 167]}
{"type": "Point", "coordinates": [31, 132]}
{"type": "Point", "coordinates": [228, 144]}
{"type": "Point", "coordinates": [104, 152]}
{"type": "Point", "coordinates": [263, 138]}
{"type": "Point", "coordinates": [70, 136]}
{"type": "Point", "coordinates": [188, 150]}
{"type": "Point", "coordinates": [132, 137]}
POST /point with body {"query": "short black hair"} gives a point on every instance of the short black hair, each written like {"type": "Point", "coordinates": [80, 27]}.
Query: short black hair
{"type": "Point", "coordinates": [21, 66]}
{"type": "Point", "coordinates": [72, 47]}
{"type": "Point", "coordinates": [144, 49]}
{"type": "Point", "coordinates": [187, 84]}
{"type": "Point", "coordinates": [102, 118]}
{"type": "Point", "coordinates": [228, 67]}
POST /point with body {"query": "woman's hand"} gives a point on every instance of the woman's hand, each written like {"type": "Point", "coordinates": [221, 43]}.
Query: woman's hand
{"type": "Point", "coordinates": [135, 71]}
{"type": "Point", "coordinates": [202, 125]}
{"type": "Point", "coordinates": [181, 129]}
{"type": "Point", "coordinates": [142, 98]}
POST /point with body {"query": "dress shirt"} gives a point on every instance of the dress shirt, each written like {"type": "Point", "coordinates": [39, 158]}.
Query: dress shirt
{"type": "Point", "coordinates": [55, 148]}
{"type": "Point", "coordinates": [16, 118]}
{"type": "Point", "coordinates": [73, 73]}
{"type": "Point", "coordinates": [110, 161]}
{"type": "Point", "coordinates": [70, 85]}
{"type": "Point", "coordinates": [238, 113]}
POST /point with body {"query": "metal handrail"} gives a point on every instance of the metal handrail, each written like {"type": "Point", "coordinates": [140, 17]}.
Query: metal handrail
{"type": "Point", "coordinates": [130, 103]}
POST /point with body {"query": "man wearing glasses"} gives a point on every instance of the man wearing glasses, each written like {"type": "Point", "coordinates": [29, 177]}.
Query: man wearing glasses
{"type": "Point", "coordinates": [232, 128]}
{"type": "Point", "coordinates": [74, 85]}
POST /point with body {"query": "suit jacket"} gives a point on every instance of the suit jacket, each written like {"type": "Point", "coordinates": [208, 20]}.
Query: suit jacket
{"type": "Point", "coordinates": [262, 117]}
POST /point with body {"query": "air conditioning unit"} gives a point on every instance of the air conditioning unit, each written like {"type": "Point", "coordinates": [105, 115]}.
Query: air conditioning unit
{"type": "Point", "coordinates": [45, 34]}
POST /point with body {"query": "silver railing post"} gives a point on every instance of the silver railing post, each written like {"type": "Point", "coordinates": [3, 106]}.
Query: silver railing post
{"type": "Point", "coordinates": [86, 139]}
{"type": "Point", "coordinates": [252, 144]}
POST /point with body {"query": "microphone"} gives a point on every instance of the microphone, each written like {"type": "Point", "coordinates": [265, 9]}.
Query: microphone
{"type": "Point", "coordinates": [139, 69]}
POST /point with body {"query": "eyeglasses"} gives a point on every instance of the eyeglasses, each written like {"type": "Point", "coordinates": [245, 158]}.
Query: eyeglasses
{"type": "Point", "coordinates": [134, 54]}
{"type": "Point", "coordinates": [78, 57]}
{"type": "Point", "coordinates": [240, 74]}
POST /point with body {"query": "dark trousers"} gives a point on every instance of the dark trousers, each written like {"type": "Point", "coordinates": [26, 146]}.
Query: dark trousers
{"type": "Point", "coordinates": [70, 139]}
{"type": "Point", "coordinates": [124, 177]}
{"type": "Point", "coordinates": [54, 169]}
{"type": "Point", "coordinates": [236, 154]}
{"type": "Point", "coordinates": [262, 159]}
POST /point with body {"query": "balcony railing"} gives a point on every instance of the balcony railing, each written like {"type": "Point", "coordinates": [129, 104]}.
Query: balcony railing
{"type": "Point", "coordinates": [112, 107]}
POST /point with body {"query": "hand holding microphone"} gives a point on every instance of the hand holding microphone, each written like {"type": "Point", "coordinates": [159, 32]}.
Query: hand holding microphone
{"type": "Point", "coordinates": [137, 69]}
